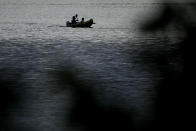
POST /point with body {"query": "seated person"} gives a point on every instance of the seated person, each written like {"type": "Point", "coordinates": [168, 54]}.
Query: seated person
{"type": "Point", "coordinates": [82, 21]}
{"type": "Point", "coordinates": [73, 21]}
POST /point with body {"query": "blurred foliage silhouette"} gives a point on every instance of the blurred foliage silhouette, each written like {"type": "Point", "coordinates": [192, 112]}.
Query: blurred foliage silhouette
{"type": "Point", "coordinates": [175, 91]}
{"type": "Point", "coordinates": [86, 112]}
{"type": "Point", "coordinates": [10, 97]}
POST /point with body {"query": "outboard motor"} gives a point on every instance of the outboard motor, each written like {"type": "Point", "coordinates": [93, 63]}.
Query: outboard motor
{"type": "Point", "coordinates": [91, 20]}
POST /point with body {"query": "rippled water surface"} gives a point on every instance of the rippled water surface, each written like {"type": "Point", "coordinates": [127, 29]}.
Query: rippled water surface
{"type": "Point", "coordinates": [35, 42]}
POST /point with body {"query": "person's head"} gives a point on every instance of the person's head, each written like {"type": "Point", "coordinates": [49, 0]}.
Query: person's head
{"type": "Point", "coordinates": [82, 19]}
{"type": "Point", "coordinates": [76, 15]}
{"type": "Point", "coordinates": [73, 17]}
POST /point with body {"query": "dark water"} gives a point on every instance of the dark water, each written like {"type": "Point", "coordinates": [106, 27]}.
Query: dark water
{"type": "Point", "coordinates": [113, 60]}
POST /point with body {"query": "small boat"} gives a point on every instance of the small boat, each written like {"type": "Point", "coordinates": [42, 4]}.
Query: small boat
{"type": "Point", "coordinates": [86, 24]}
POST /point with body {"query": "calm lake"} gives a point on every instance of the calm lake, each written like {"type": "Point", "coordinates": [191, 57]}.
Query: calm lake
{"type": "Point", "coordinates": [35, 44]}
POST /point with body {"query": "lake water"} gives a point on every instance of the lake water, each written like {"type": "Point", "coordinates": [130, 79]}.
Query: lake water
{"type": "Point", "coordinates": [34, 43]}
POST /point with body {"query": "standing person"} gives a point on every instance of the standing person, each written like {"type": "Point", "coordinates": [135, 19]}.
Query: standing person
{"type": "Point", "coordinates": [76, 17]}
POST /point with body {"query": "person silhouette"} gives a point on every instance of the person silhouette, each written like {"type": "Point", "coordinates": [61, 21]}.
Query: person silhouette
{"type": "Point", "coordinates": [76, 16]}
{"type": "Point", "coordinates": [82, 21]}
{"type": "Point", "coordinates": [73, 21]}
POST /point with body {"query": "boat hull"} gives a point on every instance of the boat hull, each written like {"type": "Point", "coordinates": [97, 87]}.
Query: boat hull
{"type": "Point", "coordinates": [86, 24]}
